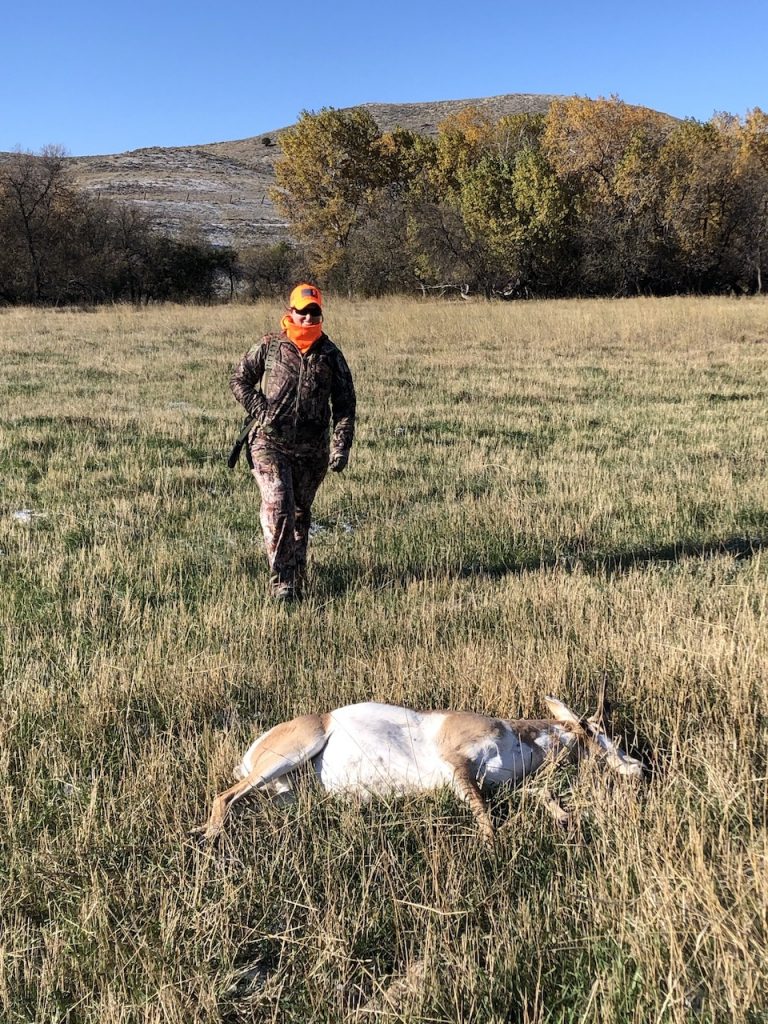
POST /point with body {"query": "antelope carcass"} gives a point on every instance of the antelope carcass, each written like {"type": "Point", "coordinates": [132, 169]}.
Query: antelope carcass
{"type": "Point", "coordinates": [383, 750]}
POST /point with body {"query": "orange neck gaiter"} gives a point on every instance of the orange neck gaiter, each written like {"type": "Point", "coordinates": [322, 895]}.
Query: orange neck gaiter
{"type": "Point", "coordinates": [302, 337]}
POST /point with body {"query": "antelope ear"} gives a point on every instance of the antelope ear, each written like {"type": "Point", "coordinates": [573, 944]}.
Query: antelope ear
{"type": "Point", "coordinates": [560, 712]}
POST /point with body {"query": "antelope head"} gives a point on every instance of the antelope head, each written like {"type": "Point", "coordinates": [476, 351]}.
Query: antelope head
{"type": "Point", "coordinates": [591, 731]}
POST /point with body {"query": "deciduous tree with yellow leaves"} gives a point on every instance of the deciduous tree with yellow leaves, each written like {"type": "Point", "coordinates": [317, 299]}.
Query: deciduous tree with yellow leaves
{"type": "Point", "coordinates": [332, 166]}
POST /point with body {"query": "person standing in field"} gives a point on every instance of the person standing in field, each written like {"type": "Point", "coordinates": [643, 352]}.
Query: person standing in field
{"type": "Point", "coordinates": [291, 384]}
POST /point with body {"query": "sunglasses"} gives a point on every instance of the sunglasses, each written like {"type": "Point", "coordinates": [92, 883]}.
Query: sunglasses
{"type": "Point", "coordinates": [311, 310]}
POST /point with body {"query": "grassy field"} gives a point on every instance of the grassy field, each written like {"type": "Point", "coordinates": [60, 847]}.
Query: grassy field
{"type": "Point", "coordinates": [543, 498]}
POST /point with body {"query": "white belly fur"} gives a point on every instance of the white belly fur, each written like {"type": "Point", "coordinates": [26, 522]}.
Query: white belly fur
{"type": "Point", "coordinates": [376, 749]}
{"type": "Point", "coordinates": [506, 760]}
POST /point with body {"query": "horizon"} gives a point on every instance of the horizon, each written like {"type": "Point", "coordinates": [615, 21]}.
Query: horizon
{"type": "Point", "coordinates": [97, 83]}
{"type": "Point", "coordinates": [364, 104]}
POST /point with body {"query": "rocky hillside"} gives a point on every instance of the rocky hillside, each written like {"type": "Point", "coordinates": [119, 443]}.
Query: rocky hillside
{"type": "Point", "coordinates": [221, 190]}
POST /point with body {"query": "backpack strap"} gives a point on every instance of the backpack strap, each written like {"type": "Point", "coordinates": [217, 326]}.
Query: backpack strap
{"type": "Point", "coordinates": [269, 361]}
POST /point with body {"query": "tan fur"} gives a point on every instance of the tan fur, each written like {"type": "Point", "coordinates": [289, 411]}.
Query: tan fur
{"type": "Point", "coordinates": [467, 789]}
{"type": "Point", "coordinates": [280, 751]}
{"type": "Point", "coordinates": [529, 729]}
{"type": "Point", "coordinates": [463, 729]}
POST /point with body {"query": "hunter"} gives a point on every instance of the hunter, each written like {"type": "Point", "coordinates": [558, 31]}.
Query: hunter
{"type": "Point", "coordinates": [290, 384]}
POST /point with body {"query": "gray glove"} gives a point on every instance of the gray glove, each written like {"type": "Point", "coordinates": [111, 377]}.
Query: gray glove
{"type": "Point", "coordinates": [338, 461]}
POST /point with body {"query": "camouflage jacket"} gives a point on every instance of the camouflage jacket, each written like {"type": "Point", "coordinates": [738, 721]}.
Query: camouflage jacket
{"type": "Point", "coordinates": [301, 393]}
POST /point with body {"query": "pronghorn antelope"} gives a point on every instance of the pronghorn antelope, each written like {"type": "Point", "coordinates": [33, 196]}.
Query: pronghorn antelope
{"type": "Point", "coordinates": [381, 750]}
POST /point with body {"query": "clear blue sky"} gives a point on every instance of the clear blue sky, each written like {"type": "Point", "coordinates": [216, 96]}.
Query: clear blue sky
{"type": "Point", "coordinates": [104, 78]}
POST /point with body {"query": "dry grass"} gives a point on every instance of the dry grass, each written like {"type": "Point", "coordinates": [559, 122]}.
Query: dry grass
{"type": "Point", "coordinates": [542, 497]}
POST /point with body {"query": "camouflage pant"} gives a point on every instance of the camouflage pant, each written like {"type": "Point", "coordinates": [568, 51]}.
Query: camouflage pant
{"type": "Point", "coordinates": [288, 484]}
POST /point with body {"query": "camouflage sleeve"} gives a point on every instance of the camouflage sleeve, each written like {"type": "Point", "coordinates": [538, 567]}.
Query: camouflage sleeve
{"type": "Point", "coordinates": [343, 402]}
{"type": "Point", "coordinates": [245, 382]}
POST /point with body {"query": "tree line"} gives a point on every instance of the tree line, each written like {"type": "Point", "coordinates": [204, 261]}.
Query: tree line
{"type": "Point", "coordinates": [595, 197]}
{"type": "Point", "coordinates": [59, 245]}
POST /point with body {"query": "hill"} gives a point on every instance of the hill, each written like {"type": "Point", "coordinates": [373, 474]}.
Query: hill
{"type": "Point", "coordinates": [221, 189]}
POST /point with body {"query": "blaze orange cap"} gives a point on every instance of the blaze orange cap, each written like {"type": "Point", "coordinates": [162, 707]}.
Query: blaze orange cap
{"type": "Point", "coordinates": [304, 295]}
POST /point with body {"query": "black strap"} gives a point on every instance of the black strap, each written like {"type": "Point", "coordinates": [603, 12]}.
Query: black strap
{"type": "Point", "coordinates": [243, 435]}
